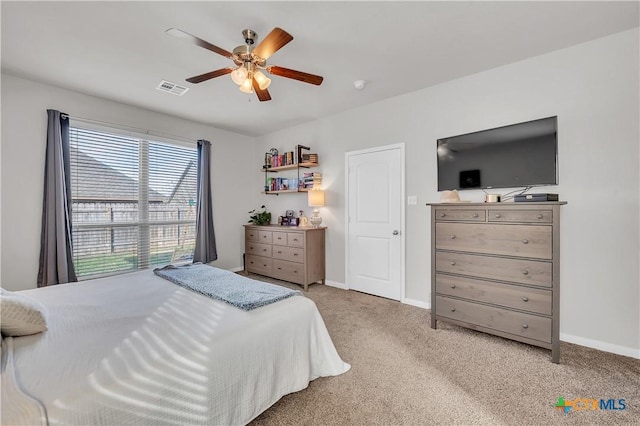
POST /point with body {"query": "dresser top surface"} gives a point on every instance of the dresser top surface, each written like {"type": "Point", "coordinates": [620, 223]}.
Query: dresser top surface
{"type": "Point", "coordinates": [273, 227]}
{"type": "Point", "coordinates": [501, 204]}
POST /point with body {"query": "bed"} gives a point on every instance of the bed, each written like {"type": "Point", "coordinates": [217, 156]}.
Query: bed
{"type": "Point", "coordinates": [138, 349]}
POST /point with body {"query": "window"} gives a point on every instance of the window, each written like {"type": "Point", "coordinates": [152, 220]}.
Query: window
{"type": "Point", "coordinates": [133, 202]}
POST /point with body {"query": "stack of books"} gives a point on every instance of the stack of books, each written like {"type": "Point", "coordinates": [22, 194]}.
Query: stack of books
{"type": "Point", "coordinates": [286, 159]}
{"type": "Point", "coordinates": [311, 180]}
{"type": "Point", "coordinates": [282, 184]}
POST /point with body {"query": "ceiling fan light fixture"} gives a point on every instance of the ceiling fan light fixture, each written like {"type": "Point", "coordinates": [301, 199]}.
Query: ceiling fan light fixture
{"type": "Point", "coordinates": [239, 75]}
{"type": "Point", "coordinates": [245, 87]}
{"type": "Point", "coordinates": [262, 80]}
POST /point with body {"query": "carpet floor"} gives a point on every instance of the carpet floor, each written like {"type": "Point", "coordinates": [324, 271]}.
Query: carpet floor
{"type": "Point", "coordinates": [405, 373]}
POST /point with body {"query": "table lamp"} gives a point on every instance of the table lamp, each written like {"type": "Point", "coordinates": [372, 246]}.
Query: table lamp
{"type": "Point", "coordinates": [316, 199]}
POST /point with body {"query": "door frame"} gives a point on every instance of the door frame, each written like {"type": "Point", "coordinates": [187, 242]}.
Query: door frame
{"type": "Point", "coordinates": [348, 155]}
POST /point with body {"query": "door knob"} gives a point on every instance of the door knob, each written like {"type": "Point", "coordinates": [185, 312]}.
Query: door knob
{"type": "Point", "coordinates": [396, 232]}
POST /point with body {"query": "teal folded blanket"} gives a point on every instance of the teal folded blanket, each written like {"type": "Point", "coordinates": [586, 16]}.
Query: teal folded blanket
{"type": "Point", "coordinates": [239, 291]}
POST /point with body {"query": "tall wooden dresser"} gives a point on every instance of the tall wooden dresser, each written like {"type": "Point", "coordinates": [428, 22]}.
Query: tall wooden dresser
{"type": "Point", "coordinates": [495, 268]}
{"type": "Point", "coordinates": [294, 254]}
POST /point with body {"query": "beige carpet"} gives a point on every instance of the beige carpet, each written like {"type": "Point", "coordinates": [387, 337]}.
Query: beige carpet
{"type": "Point", "coordinates": [403, 372]}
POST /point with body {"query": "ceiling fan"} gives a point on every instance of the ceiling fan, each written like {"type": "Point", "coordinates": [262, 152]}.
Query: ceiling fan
{"type": "Point", "coordinates": [250, 62]}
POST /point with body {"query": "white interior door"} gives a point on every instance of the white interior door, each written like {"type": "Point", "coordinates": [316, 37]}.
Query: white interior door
{"type": "Point", "coordinates": [375, 218]}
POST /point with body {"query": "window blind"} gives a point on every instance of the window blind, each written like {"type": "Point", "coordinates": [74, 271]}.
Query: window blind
{"type": "Point", "coordinates": [133, 202]}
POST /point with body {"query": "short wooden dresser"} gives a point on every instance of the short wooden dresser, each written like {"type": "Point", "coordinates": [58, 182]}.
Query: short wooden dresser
{"type": "Point", "coordinates": [294, 254]}
{"type": "Point", "coordinates": [495, 268]}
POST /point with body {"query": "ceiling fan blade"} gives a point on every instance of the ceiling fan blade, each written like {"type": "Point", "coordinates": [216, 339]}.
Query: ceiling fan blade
{"type": "Point", "coordinates": [263, 95]}
{"type": "Point", "coordinates": [209, 75]}
{"type": "Point", "coordinates": [272, 43]}
{"type": "Point", "coordinates": [199, 42]}
{"type": "Point", "coordinates": [296, 75]}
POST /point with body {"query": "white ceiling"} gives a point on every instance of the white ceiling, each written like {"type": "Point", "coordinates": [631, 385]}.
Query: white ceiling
{"type": "Point", "coordinates": [119, 50]}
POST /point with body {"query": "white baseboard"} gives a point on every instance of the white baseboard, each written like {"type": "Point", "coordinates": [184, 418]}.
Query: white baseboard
{"type": "Point", "coordinates": [417, 303]}
{"type": "Point", "coordinates": [237, 269]}
{"type": "Point", "coordinates": [603, 346]}
{"type": "Point", "coordinates": [336, 284]}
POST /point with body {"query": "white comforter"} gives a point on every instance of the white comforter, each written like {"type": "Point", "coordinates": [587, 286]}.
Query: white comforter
{"type": "Point", "coordinates": [136, 349]}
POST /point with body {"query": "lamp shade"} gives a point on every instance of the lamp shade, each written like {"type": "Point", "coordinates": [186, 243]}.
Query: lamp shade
{"type": "Point", "coordinates": [316, 198]}
{"type": "Point", "coordinates": [246, 86]}
{"type": "Point", "coordinates": [239, 75]}
{"type": "Point", "coordinates": [262, 80]}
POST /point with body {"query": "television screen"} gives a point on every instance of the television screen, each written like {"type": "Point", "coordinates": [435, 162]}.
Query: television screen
{"type": "Point", "coordinates": [523, 154]}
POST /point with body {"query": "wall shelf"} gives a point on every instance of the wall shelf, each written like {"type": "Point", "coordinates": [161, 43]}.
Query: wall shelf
{"type": "Point", "coordinates": [298, 180]}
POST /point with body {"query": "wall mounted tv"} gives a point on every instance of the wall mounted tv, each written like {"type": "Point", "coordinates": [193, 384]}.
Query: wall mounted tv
{"type": "Point", "coordinates": [523, 154]}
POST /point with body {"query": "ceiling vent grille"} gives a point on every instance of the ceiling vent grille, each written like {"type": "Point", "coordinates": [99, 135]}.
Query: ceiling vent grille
{"type": "Point", "coordinates": [167, 86]}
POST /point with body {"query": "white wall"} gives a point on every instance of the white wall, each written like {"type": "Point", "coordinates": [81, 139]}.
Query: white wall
{"type": "Point", "coordinates": [24, 122]}
{"type": "Point", "coordinates": [593, 89]}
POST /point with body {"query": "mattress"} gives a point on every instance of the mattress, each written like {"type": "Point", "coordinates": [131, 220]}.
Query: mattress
{"type": "Point", "coordinates": [137, 349]}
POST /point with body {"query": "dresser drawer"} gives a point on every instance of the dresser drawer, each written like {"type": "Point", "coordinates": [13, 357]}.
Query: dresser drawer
{"type": "Point", "coordinates": [258, 249]}
{"type": "Point", "coordinates": [258, 264]}
{"type": "Point", "coordinates": [288, 271]}
{"type": "Point", "coordinates": [525, 216]}
{"type": "Point", "coordinates": [265, 237]}
{"type": "Point", "coordinates": [279, 238]}
{"type": "Point", "coordinates": [477, 215]}
{"type": "Point", "coordinates": [295, 239]}
{"type": "Point", "coordinates": [511, 240]}
{"type": "Point", "coordinates": [507, 295]}
{"type": "Point", "coordinates": [504, 320]}
{"type": "Point", "coordinates": [523, 271]}
{"type": "Point", "coordinates": [251, 235]}
{"type": "Point", "coordinates": [288, 253]}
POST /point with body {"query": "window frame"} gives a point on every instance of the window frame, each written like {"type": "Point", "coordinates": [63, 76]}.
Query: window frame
{"type": "Point", "coordinates": [143, 221]}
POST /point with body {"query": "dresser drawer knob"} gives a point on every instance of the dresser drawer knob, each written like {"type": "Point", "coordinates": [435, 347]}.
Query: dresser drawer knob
{"type": "Point", "coordinates": [295, 254]}
{"type": "Point", "coordinates": [453, 309]}
{"type": "Point", "coordinates": [498, 215]}
{"type": "Point", "coordinates": [475, 215]}
{"type": "Point", "coordinates": [264, 266]}
{"type": "Point", "coordinates": [453, 263]}
{"type": "Point", "coordinates": [251, 262]}
{"type": "Point", "coordinates": [525, 299]}
{"type": "Point", "coordinates": [525, 241]}
{"type": "Point", "coordinates": [453, 237]}
{"type": "Point", "coordinates": [453, 286]}
{"type": "Point", "coordinates": [279, 252]}
{"type": "Point", "coordinates": [279, 267]}
{"type": "Point", "coordinates": [525, 272]}
{"type": "Point", "coordinates": [525, 326]}
{"type": "Point", "coordinates": [264, 236]}
{"type": "Point", "coordinates": [264, 249]}
{"type": "Point", "coordinates": [540, 216]}
{"type": "Point", "coordinates": [443, 214]}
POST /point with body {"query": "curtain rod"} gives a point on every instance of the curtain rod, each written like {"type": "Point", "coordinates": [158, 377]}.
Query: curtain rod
{"type": "Point", "coordinates": [130, 128]}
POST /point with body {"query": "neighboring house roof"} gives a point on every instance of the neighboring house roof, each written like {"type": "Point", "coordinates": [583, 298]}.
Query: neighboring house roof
{"type": "Point", "coordinates": [94, 181]}
{"type": "Point", "coordinates": [183, 190]}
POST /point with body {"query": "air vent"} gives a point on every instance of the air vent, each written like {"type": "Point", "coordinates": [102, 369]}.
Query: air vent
{"type": "Point", "coordinates": [167, 86]}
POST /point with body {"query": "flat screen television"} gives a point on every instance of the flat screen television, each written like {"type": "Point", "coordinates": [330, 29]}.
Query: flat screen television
{"type": "Point", "coordinates": [523, 154]}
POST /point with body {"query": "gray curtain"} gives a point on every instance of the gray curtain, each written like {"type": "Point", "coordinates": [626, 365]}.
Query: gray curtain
{"type": "Point", "coordinates": [205, 237]}
{"type": "Point", "coordinates": [56, 253]}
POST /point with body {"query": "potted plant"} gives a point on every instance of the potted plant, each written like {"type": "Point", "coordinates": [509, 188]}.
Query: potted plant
{"type": "Point", "coordinates": [260, 216]}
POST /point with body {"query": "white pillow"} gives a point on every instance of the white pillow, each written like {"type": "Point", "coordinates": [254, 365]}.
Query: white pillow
{"type": "Point", "coordinates": [20, 315]}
